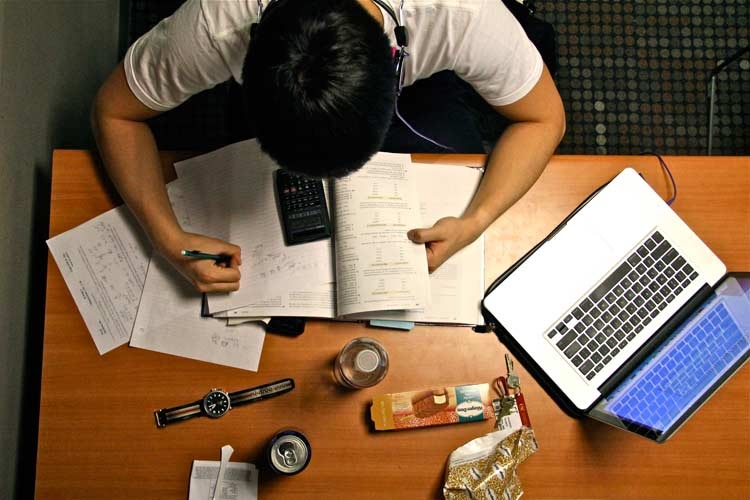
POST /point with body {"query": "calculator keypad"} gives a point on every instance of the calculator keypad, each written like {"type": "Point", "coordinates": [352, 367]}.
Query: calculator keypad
{"type": "Point", "coordinates": [303, 208]}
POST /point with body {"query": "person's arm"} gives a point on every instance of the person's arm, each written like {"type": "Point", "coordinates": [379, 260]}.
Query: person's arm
{"type": "Point", "coordinates": [130, 155]}
{"type": "Point", "coordinates": [514, 165]}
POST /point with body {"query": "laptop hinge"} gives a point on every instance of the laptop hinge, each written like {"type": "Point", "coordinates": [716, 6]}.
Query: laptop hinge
{"type": "Point", "coordinates": [651, 344]}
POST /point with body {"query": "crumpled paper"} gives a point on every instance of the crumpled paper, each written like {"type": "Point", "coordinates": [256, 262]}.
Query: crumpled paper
{"type": "Point", "coordinates": [486, 467]}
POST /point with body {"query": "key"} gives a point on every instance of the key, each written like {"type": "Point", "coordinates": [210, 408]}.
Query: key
{"type": "Point", "coordinates": [506, 412]}
{"type": "Point", "coordinates": [513, 381]}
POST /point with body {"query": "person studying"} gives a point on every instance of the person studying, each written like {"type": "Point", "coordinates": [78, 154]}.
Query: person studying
{"type": "Point", "coordinates": [339, 99]}
{"type": "Point", "coordinates": [322, 80]}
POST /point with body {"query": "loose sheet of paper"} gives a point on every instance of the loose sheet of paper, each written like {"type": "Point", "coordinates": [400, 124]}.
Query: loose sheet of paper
{"type": "Point", "coordinates": [169, 321]}
{"type": "Point", "coordinates": [457, 287]}
{"type": "Point", "coordinates": [240, 481]}
{"type": "Point", "coordinates": [103, 263]}
{"type": "Point", "coordinates": [377, 266]}
{"type": "Point", "coordinates": [229, 194]}
{"type": "Point", "coordinates": [169, 317]}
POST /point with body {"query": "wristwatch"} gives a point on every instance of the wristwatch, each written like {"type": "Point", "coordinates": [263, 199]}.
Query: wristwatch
{"type": "Point", "coordinates": [217, 402]}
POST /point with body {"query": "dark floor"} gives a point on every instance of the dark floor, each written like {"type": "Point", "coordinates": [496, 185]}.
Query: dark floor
{"type": "Point", "coordinates": [634, 74]}
{"type": "Point", "coordinates": [633, 77]}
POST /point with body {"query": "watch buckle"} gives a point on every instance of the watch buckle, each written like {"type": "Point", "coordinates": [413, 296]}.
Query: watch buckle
{"type": "Point", "coordinates": [159, 416]}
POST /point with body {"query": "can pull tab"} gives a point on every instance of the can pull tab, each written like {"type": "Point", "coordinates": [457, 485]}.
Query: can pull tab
{"type": "Point", "coordinates": [288, 454]}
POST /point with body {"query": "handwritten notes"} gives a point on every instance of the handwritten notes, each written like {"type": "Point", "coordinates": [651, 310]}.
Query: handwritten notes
{"type": "Point", "coordinates": [169, 321]}
{"type": "Point", "coordinates": [105, 264]}
{"type": "Point", "coordinates": [229, 194]}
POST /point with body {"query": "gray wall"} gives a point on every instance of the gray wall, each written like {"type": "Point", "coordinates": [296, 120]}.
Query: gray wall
{"type": "Point", "coordinates": [53, 56]}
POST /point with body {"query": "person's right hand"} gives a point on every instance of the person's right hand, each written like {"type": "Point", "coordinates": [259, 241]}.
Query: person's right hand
{"type": "Point", "coordinates": [206, 275]}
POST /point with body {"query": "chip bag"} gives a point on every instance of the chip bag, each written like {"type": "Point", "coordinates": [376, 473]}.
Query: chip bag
{"type": "Point", "coordinates": [486, 468]}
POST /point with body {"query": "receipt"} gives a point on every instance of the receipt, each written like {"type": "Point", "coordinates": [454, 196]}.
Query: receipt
{"type": "Point", "coordinates": [240, 481]}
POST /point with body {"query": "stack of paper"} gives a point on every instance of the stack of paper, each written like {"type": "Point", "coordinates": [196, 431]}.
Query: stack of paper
{"type": "Point", "coordinates": [126, 295]}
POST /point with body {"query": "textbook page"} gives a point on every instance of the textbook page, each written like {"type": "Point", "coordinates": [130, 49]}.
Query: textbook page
{"type": "Point", "coordinates": [103, 262]}
{"type": "Point", "coordinates": [229, 194]}
{"type": "Point", "coordinates": [457, 287]}
{"type": "Point", "coordinates": [377, 266]}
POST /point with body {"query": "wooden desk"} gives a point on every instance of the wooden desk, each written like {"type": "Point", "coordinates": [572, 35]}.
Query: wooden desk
{"type": "Point", "coordinates": [97, 437]}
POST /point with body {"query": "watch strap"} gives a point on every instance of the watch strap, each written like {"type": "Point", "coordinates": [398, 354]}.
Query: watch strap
{"type": "Point", "coordinates": [167, 416]}
{"type": "Point", "coordinates": [178, 413]}
{"type": "Point", "coordinates": [261, 392]}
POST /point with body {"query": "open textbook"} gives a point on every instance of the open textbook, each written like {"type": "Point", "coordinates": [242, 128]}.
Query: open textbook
{"type": "Point", "coordinates": [370, 270]}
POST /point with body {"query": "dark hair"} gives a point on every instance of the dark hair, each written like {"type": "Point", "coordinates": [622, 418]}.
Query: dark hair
{"type": "Point", "coordinates": [320, 85]}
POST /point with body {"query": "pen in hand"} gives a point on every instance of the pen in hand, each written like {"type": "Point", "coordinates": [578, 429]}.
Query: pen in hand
{"type": "Point", "coordinates": [197, 254]}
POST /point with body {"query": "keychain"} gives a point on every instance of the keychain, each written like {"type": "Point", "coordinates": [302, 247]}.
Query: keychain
{"type": "Point", "coordinates": [511, 405]}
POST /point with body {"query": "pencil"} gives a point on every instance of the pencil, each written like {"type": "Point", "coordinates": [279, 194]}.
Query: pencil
{"type": "Point", "coordinates": [197, 254]}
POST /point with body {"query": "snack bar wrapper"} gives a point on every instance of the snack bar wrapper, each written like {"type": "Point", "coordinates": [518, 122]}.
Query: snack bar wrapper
{"type": "Point", "coordinates": [445, 405]}
{"type": "Point", "coordinates": [486, 467]}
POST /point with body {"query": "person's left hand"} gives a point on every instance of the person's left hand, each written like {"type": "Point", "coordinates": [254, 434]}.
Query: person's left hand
{"type": "Point", "coordinates": [446, 237]}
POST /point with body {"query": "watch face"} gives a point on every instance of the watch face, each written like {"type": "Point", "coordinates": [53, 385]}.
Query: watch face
{"type": "Point", "coordinates": [216, 403]}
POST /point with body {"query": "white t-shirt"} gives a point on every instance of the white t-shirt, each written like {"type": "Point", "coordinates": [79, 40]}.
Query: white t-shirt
{"type": "Point", "coordinates": [205, 41]}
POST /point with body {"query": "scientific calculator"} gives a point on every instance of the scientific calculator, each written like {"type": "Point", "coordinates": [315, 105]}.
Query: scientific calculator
{"type": "Point", "coordinates": [304, 214]}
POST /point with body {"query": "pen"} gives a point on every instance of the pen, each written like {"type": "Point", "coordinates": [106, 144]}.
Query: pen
{"type": "Point", "coordinates": [197, 254]}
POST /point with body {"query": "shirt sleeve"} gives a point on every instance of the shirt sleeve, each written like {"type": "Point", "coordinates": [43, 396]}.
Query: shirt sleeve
{"type": "Point", "coordinates": [497, 58]}
{"type": "Point", "coordinates": [175, 60]}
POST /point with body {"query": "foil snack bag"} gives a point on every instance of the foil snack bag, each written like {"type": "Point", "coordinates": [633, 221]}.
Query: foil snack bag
{"type": "Point", "coordinates": [486, 468]}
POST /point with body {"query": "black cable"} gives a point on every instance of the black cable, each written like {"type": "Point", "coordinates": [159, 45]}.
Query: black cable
{"type": "Point", "coordinates": [669, 173]}
{"type": "Point", "coordinates": [720, 67]}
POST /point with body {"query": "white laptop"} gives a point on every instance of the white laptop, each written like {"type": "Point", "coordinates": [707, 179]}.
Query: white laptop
{"type": "Point", "coordinates": [588, 304]}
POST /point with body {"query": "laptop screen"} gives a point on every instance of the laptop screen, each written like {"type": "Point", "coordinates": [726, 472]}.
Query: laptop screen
{"type": "Point", "coordinates": [683, 372]}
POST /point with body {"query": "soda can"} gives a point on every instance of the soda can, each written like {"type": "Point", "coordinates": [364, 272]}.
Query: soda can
{"type": "Point", "coordinates": [288, 452]}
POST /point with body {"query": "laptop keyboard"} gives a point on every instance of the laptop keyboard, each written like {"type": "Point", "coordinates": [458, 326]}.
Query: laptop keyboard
{"type": "Point", "coordinates": [682, 370]}
{"type": "Point", "coordinates": [609, 317]}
